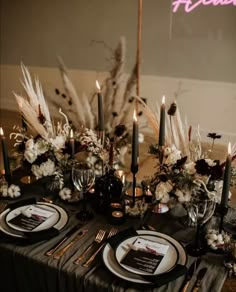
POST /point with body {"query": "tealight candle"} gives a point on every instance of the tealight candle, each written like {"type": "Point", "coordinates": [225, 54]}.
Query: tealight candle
{"type": "Point", "coordinates": [117, 214]}
{"type": "Point", "coordinates": [5, 154]}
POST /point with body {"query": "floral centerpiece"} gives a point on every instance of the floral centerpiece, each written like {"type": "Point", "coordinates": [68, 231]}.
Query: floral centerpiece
{"type": "Point", "coordinates": [178, 178]}
{"type": "Point", "coordinates": [44, 157]}
{"type": "Point", "coordinates": [47, 149]}
{"type": "Point", "coordinates": [183, 170]}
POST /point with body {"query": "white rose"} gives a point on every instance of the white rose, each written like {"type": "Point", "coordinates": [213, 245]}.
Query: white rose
{"type": "Point", "coordinates": [29, 145]}
{"type": "Point", "coordinates": [41, 146]}
{"type": "Point", "coordinates": [47, 168]}
{"type": "Point", "coordinates": [36, 171]}
{"type": "Point", "coordinates": [162, 190]}
{"type": "Point", "coordinates": [174, 155]}
{"type": "Point", "coordinates": [30, 155]}
{"type": "Point", "coordinates": [190, 168]}
{"type": "Point", "coordinates": [58, 142]}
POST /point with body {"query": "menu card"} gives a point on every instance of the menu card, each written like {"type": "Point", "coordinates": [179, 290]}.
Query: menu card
{"type": "Point", "coordinates": [145, 255]}
{"type": "Point", "coordinates": [31, 217]}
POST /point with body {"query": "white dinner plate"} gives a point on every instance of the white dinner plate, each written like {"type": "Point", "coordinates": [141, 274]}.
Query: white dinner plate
{"type": "Point", "coordinates": [48, 223]}
{"type": "Point", "coordinates": [167, 263]}
{"type": "Point", "coordinates": [61, 222]}
{"type": "Point", "coordinates": [111, 263]}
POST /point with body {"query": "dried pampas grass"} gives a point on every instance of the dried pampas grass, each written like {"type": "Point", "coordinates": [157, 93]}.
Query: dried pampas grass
{"type": "Point", "coordinates": [33, 106]}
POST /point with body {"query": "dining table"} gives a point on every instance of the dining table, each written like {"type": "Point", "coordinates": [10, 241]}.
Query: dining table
{"type": "Point", "coordinates": [25, 266]}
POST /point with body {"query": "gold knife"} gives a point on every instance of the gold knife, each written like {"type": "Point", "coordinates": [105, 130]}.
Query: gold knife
{"type": "Point", "coordinates": [61, 241]}
{"type": "Point", "coordinates": [62, 251]}
{"type": "Point", "coordinates": [200, 276]}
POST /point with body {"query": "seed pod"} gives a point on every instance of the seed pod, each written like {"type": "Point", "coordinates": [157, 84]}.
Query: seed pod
{"type": "Point", "coordinates": [172, 110]}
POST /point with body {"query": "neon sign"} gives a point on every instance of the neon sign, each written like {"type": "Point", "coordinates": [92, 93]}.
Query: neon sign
{"type": "Point", "coordinates": [189, 6]}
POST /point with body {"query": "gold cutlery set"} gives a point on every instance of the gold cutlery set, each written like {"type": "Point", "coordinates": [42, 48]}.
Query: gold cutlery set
{"type": "Point", "coordinates": [97, 244]}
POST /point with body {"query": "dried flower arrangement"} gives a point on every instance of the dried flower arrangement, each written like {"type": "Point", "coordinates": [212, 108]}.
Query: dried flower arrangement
{"type": "Point", "coordinates": [117, 91]}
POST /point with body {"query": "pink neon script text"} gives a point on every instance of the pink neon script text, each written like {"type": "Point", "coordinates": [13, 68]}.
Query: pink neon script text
{"type": "Point", "coordinates": [190, 6]}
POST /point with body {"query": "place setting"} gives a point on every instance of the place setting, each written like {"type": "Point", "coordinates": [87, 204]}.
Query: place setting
{"type": "Point", "coordinates": [30, 221]}
{"type": "Point", "coordinates": [145, 257]}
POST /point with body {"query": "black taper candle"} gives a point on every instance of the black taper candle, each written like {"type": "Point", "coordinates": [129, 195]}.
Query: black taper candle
{"type": "Point", "coordinates": [5, 155]}
{"type": "Point", "coordinates": [162, 123]}
{"type": "Point", "coordinates": [134, 161]}
{"type": "Point", "coordinates": [100, 109]}
{"type": "Point", "coordinates": [227, 178]}
{"type": "Point", "coordinates": [72, 144]}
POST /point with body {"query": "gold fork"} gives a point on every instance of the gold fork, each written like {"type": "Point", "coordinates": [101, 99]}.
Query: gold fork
{"type": "Point", "coordinates": [112, 232]}
{"type": "Point", "coordinates": [99, 237]}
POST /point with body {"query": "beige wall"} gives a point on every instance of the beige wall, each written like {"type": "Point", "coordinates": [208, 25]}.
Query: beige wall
{"type": "Point", "coordinates": [197, 50]}
{"type": "Point", "coordinates": [199, 45]}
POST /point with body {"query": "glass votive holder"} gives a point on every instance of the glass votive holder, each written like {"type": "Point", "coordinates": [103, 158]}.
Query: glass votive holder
{"type": "Point", "coordinates": [129, 195]}
{"type": "Point", "coordinates": [116, 213]}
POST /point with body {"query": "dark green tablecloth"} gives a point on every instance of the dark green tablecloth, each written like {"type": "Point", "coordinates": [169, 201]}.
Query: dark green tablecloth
{"type": "Point", "coordinates": [26, 268]}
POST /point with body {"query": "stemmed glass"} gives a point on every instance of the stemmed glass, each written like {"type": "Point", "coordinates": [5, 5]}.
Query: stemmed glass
{"type": "Point", "coordinates": [200, 210]}
{"type": "Point", "coordinates": [83, 177]}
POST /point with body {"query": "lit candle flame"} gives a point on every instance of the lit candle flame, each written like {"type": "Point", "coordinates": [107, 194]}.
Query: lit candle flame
{"type": "Point", "coordinates": [1, 132]}
{"type": "Point", "coordinates": [135, 116]}
{"type": "Point", "coordinates": [163, 99]}
{"type": "Point", "coordinates": [229, 148]}
{"type": "Point", "coordinates": [98, 85]}
{"type": "Point", "coordinates": [71, 133]}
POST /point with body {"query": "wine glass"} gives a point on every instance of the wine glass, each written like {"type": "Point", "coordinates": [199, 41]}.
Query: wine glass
{"type": "Point", "coordinates": [200, 210]}
{"type": "Point", "coordinates": [83, 177]}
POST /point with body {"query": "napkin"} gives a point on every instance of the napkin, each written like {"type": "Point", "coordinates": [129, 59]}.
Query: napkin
{"type": "Point", "coordinates": [32, 237]}
{"type": "Point", "coordinates": [20, 203]}
{"type": "Point", "coordinates": [157, 280]}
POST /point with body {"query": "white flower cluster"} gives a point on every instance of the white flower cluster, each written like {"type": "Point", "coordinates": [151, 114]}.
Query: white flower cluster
{"type": "Point", "coordinates": [162, 191]}
{"type": "Point", "coordinates": [34, 149]}
{"type": "Point", "coordinates": [231, 266]}
{"type": "Point", "coordinates": [183, 180]}
{"type": "Point", "coordinates": [171, 155]}
{"type": "Point", "coordinates": [44, 169]}
{"type": "Point", "coordinates": [12, 191]}
{"type": "Point", "coordinates": [58, 142]}
{"type": "Point", "coordinates": [90, 139]}
{"type": "Point", "coordinates": [65, 194]}
{"type": "Point", "coordinates": [216, 240]}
